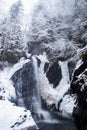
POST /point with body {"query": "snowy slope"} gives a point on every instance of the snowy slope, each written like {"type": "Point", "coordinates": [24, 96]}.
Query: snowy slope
{"type": "Point", "coordinates": [11, 116]}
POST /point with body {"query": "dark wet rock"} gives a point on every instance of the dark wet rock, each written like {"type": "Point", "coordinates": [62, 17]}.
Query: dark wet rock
{"type": "Point", "coordinates": [1, 97]}
{"type": "Point", "coordinates": [72, 64]}
{"type": "Point", "coordinates": [38, 61]}
{"type": "Point", "coordinates": [24, 82]}
{"type": "Point", "coordinates": [52, 108]}
{"type": "Point", "coordinates": [79, 87]}
{"type": "Point", "coordinates": [46, 66]}
{"type": "Point", "coordinates": [44, 104]}
{"type": "Point", "coordinates": [54, 74]}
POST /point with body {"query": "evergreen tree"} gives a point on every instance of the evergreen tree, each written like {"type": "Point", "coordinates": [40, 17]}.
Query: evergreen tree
{"type": "Point", "coordinates": [16, 12]}
{"type": "Point", "coordinates": [79, 23]}
{"type": "Point", "coordinates": [11, 27]}
{"type": "Point", "coordinates": [15, 19]}
{"type": "Point", "coordinates": [11, 38]}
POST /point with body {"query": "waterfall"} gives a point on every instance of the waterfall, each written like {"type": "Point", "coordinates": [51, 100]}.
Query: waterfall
{"type": "Point", "coordinates": [36, 92]}
{"type": "Point", "coordinates": [65, 75]}
{"type": "Point", "coordinates": [37, 107]}
{"type": "Point", "coordinates": [64, 83]}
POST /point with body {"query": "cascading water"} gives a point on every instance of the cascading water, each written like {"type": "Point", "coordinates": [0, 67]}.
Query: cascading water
{"type": "Point", "coordinates": [41, 114]}
{"type": "Point", "coordinates": [30, 82]}
{"type": "Point", "coordinates": [36, 92]}
{"type": "Point", "coordinates": [65, 75]}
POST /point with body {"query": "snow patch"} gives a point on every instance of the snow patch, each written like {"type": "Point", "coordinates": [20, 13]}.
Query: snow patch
{"type": "Point", "coordinates": [12, 117]}
{"type": "Point", "coordinates": [67, 105]}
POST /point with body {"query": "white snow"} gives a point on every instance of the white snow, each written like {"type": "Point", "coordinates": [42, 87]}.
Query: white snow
{"type": "Point", "coordinates": [78, 64]}
{"type": "Point", "coordinates": [13, 69]}
{"type": "Point", "coordinates": [9, 113]}
{"type": "Point", "coordinates": [67, 105]}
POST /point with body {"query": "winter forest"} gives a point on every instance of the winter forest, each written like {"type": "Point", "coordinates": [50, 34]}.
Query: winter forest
{"type": "Point", "coordinates": [43, 64]}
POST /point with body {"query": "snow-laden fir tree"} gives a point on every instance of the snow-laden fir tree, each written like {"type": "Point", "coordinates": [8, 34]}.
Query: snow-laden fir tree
{"type": "Point", "coordinates": [15, 20]}
{"type": "Point", "coordinates": [11, 27]}
{"type": "Point", "coordinates": [11, 30]}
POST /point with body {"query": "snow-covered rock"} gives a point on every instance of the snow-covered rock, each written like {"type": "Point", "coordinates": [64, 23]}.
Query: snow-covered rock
{"type": "Point", "coordinates": [64, 102]}
{"type": "Point", "coordinates": [13, 117]}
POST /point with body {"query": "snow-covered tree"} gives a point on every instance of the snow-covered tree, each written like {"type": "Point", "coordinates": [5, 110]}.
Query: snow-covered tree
{"type": "Point", "coordinates": [11, 27]}
{"type": "Point", "coordinates": [50, 23]}
{"type": "Point", "coordinates": [16, 12]}
{"type": "Point", "coordinates": [15, 19]}
{"type": "Point", "coordinates": [11, 30]}
{"type": "Point", "coordinates": [41, 30]}
{"type": "Point", "coordinates": [79, 23]}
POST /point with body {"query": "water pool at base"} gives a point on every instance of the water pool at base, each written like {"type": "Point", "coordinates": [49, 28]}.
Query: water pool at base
{"type": "Point", "coordinates": [62, 125]}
